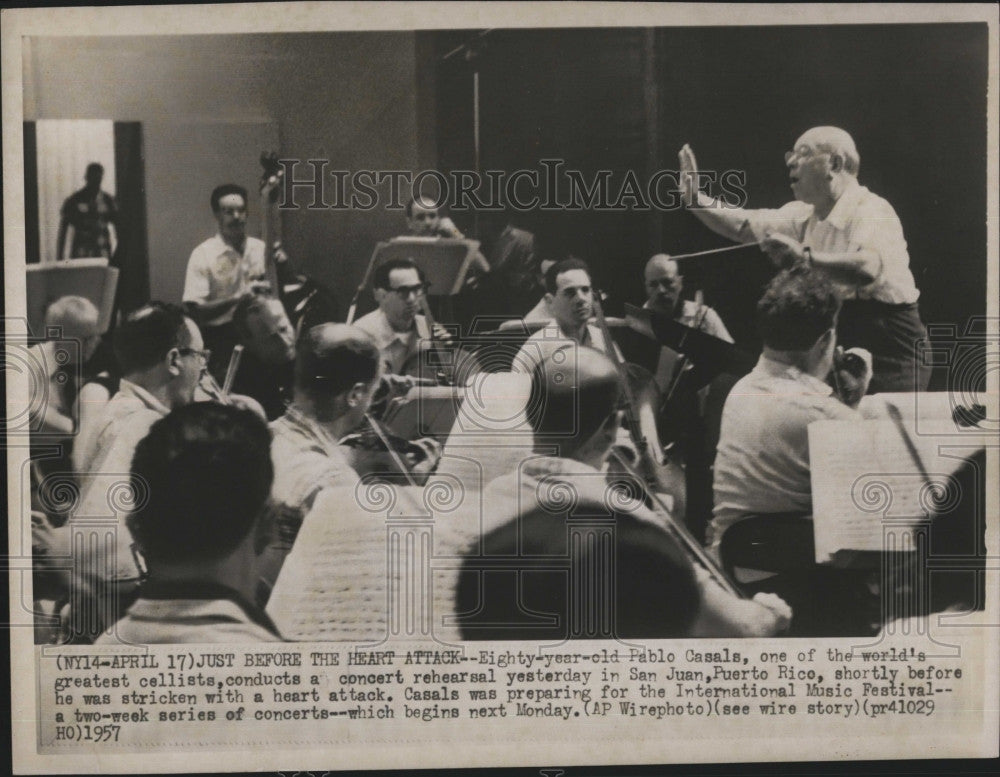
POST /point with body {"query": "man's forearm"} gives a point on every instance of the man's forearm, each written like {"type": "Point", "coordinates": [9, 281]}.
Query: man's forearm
{"type": "Point", "coordinates": [728, 222]}
{"type": "Point", "coordinates": [853, 267]}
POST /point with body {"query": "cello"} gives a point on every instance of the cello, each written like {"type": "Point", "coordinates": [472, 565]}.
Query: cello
{"type": "Point", "coordinates": [641, 399]}
{"type": "Point", "coordinates": [654, 472]}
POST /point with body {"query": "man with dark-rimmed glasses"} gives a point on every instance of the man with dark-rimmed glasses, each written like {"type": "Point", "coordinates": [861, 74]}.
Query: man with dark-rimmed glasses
{"type": "Point", "coordinates": [397, 326]}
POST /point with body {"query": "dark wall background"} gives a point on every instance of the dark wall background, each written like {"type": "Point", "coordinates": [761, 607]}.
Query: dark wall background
{"type": "Point", "coordinates": [913, 97]}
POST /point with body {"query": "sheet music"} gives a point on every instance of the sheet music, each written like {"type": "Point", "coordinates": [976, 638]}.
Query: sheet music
{"type": "Point", "coordinates": [866, 482]}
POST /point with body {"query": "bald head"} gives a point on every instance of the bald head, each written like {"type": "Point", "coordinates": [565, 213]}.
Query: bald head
{"type": "Point", "coordinates": [664, 284]}
{"type": "Point", "coordinates": [573, 393]}
{"type": "Point", "coordinates": [77, 318]}
{"type": "Point", "coordinates": [334, 358]}
{"type": "Point", "coordinates": [833, 140]}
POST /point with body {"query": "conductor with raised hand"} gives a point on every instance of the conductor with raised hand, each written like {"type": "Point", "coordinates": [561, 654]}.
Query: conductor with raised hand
{"type": "Point", "coordinates": [840, 227]}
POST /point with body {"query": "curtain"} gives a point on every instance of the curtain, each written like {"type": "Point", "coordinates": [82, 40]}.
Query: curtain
{"type": "Point", "coordinates": [64, 149]}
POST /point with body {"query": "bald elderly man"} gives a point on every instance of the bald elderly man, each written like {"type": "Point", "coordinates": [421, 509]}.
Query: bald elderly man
{"type": "Point", "coordinates": [852, 235]}
{"type": "Point", "coordinates": [664, 284]}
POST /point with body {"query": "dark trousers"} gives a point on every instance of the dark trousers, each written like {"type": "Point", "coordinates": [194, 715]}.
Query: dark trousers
{"type": "Point", "coordinates": [892, 333]}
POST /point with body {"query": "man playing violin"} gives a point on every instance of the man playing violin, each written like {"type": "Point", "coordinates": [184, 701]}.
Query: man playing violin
{"type": "Point", "coordinates": [850, 234]}
{"type": "Point", "coordinates": [762, 466]}
{"type": "Point", "coordinates": [574, 409]}
{"type": "Point", "coordinates": [337, 372]}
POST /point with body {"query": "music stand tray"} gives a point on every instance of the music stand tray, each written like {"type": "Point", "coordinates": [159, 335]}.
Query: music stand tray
{"type": "Point", "coordinates": [90, 278]}
{"type": "Point", "coordinates": [445, 261]}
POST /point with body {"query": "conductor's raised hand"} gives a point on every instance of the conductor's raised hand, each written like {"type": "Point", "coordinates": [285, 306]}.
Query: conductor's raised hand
{"type": "Point", "coordinates": [688, 175]}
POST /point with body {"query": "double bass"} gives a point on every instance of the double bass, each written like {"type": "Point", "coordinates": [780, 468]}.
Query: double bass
{"type": "Point", "coordinates": [306, 302]}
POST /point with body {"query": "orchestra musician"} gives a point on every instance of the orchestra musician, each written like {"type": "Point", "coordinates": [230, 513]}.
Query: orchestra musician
{"type": "Point", "coordinates": [686, 415]}
{"type": "Point", "coordinates": [569, 295]}
{"type": "Point", "coordinates": [762, 464]}
{"type": "Point", "coordinates": [221, 271]}
{"type": "Point", "coordinates": [424, 219]}
{"type": "Point", "coordinates": [397, 327]}
{"type": "Point", "coordinates": [268, 340]}
{"type": "Point", "coordinates": [337, 372]}
{"type": "Point", "coordinates": [75, 318]}
{"type": "Point", "coordinates": [847, 232]}
{"type": "Point", "coordinates": [664, 285]}
{"type": "Point", "coordinates": [207, 471]}
{"type": "Point", "coordinates": [576, 409]}
{"type": "Point", "coordinates": [163, 359]}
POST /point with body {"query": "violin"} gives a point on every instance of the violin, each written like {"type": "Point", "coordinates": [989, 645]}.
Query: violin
{"type": "Point", "coordinates": [378, 453]}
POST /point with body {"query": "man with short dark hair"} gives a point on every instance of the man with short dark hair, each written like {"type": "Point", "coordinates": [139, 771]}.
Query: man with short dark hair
{"type": "Point", "coordinates": [762, 463]}
{"type": "Point", "coordinates": [424, 219]}
{"type": "Point", "coordinates": [162, 357]}
{"type": "Point", "coordinates": [221, 271]}
{"type": "Point", "coordinates": [87, 223]}
{"type": "Point", "coordinates": [205, 474]}
{"type": "Point", "coordinates": [397, 326]}
{"type": "Point", "coordinates": [573, 409]}
{"type": "Point", "coordinates": [570, 298]}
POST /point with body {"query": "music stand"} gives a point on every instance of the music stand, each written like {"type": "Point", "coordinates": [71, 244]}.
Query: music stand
{"type": "Point", "coordinates": [445, 263]}
{"type": "Point", "coordinates": [89, 278]}
{"type": "Point", "coordinates": [711, 355]}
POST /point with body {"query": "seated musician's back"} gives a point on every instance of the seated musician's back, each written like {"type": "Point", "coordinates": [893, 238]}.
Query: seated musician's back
{"type": "Point", "coordinates": [573, 409]}
{"type": "Point", "coordinates": [206, 472]}
{"type": "Point", "coordinates": [762, 463]}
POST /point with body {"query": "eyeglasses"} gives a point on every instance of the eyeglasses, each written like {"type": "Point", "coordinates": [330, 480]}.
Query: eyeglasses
{"type": "Point", "coordinates": [803, 152]}
{"type": "Point", "coordinates": [425, 216]}
{"type": "Point", "coordinates": [418, 290]}
{"type": "Point", "coordinates": [205, 354]}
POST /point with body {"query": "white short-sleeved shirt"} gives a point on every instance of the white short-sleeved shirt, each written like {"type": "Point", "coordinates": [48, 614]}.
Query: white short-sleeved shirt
{"type": "Point", "coordinates": [217, 271]}
{"type": "Point", "coordinates": [859, 220]}
{"type": "Point", "coordinates": [762, 463]}
{"type": "Point", "coordinates": [550, 339]}
{"type": "Point", "coordinates": [396, 347]}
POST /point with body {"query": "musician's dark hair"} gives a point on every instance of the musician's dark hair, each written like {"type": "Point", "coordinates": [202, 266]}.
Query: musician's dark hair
{"type": "Point", "coordinates": [563, 265]}
{"type": "Point", "coordinates": [326, 367]}
{"type": "Point", "coordinates": [93, 167]}
{"type": "Point", "coordinates": [380, 280]}
{"type": "Point", "coordinates": [799, 305]}
{"type": "Point", "coordinates": [201, 477]}
{"type": "Point", "coordinates": [146, 335]}
{"type": "Point", "coordinates": [654, 593]}
{"type": "Point", "coordinates": [568, 400]}
{"type": "Point", "coordinates": [224, 190]}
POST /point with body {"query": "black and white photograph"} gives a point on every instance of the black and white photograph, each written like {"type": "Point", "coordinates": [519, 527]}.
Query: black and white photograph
{"type": "Point", "coordinates": [626, 374]}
